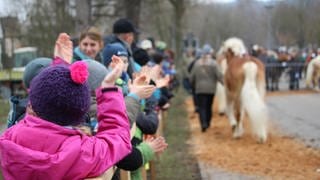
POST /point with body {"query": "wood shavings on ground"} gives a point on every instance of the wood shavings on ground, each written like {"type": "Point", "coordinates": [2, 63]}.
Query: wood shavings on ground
{"type": "Point", "coordinates": [281, 157]}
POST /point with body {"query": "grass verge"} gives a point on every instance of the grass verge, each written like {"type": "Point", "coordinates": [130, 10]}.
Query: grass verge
{"type": "Point", "coordinates": [4, 109]}
{"type": "Point", "coordinates": [177, 162]}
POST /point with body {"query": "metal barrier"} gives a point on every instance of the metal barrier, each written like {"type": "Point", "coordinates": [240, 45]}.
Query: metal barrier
{"type": "Point", "coordinates": [284, 75]}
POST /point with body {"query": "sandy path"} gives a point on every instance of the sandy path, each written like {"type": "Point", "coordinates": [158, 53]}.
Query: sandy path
{"type": "Point", "coordinates": [282, 157]}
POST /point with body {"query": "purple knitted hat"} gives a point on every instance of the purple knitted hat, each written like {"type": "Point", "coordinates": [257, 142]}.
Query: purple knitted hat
{"type": "Point", "coordinates": [60, 94]}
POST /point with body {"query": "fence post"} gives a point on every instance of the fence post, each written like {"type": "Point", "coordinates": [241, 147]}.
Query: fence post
{"type": "Point", "coordinates": [125, 175]}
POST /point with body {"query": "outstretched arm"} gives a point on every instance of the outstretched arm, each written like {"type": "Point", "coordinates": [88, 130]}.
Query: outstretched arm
{"type": "Point", "coordinates": [63, 50]}
{"type": "Point", "coordinates": [112, 141]}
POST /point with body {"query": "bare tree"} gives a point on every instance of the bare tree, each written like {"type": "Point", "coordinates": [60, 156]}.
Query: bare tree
{"type": "Point", "coordinates": [83, 14]}
{"type": "Point", "coordinates": [154, 20]}
{"type": "Point", "coordinates": [132, 9]}
{"type": "Point", "coordinates": [46, 20]}
{"type": "Point", "coordinates": [293, 21]}
{"type": "Point", "coordinates": [179, 8]}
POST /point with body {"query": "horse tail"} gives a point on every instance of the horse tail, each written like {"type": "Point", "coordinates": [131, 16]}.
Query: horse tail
{"type": "Point", "coordinates": [309, 74]}
{"type": "Point", "coordinates": [253, 101]}
{"type": "Point", "coordinates": [221, 97]}
{"type": "Point", "coordinates": [220, 91]}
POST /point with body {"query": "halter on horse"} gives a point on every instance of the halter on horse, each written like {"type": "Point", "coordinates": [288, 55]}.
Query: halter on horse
{"type": "Point", "coordinates": [245, 89]}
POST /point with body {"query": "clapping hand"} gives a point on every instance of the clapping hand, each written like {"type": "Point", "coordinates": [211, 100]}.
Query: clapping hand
{"type": "Point", "coordinates": [140, 86]}
{"type": "Point", "coordinates": [158, 144]}
{"type": "Point", "coordinates": [163, 82]}
{"type": "Point", "coordinates": [117, 67]}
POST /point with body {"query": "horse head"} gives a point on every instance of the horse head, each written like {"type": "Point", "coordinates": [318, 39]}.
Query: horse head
{"type": "Point", "coordinates": [233, 47]}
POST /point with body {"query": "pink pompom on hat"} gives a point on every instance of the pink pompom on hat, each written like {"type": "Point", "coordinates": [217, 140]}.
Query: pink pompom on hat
{"type": "Point", "coordinates": [79, 72]}
{"type": "Point", "coordinates": [60, 94]}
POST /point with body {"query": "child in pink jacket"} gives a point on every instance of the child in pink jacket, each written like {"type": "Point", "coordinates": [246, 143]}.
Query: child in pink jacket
{"type": "Point", "coordinates": [44, 145]}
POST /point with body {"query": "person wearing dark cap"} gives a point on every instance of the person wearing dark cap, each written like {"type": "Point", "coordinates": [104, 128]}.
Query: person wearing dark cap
{"type": "Point", "coordinates": [124, 26]}
{"type": "Point", "coordinates": [97, 72]}
{"type": "Point", "coordinates": [123, 33]}
{"type": "Point", "coordinates": [114, 49]}
{"type": "Point", "coordinates": [118, 50]}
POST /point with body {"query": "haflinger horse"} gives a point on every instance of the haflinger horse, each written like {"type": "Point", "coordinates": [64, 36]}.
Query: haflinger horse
{"type": "Point", "coordinates": [313, 73]}
{"type": "Point", "coordinates": [244, 82]}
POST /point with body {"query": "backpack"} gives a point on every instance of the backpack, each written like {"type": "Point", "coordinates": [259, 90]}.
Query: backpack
{"type": "Point", "coordinates": [17, 110]}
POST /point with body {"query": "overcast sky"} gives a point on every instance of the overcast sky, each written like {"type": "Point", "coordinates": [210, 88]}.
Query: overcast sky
{"type": "Point", "coordinates": [7, 5]}
{"type": "Point", "coordinates": [10, 7]}
{"type": "Point", "coordinates": [3, 9]}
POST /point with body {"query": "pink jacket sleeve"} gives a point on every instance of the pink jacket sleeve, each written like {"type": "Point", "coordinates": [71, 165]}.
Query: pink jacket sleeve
{"type": "Point", "coordinates": [112, 141]}
{"type": "Point", "coordinates": [58, 61]}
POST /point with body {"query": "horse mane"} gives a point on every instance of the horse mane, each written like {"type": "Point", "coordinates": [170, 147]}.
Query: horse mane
{"type": "Point", "coordinates": [235, 45]}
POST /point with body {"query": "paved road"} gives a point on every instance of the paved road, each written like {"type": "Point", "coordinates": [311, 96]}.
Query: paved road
{"type": "Point", "coordinates": [210, 173]}
{"type": "Point", "coordinates": [298, 116]}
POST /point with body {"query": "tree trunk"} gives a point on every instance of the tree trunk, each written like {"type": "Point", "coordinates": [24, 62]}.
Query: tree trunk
{"type": "Point", "coordinates": [159, 23]}
{"type": "Point", "coordinates": [83, 11]}
{"type": "Point", "coordinates": [132, 8]}
{"type": "Point", "coordinates": [179, 10]}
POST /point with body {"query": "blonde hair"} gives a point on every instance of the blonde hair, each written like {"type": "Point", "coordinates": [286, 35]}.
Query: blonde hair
{"type": "Point", "coordinates": [93, 33]}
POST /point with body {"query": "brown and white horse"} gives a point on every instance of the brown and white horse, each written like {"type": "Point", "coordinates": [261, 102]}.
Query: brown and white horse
{"type": "Point", "coordinates": [244, 82]}
{"type": "Point", "coordinates": [313, 73]}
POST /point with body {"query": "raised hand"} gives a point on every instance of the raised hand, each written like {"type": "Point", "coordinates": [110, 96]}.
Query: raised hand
{"type": "Point", "coordinates": [117, 67]}
{"type": "Point", "coordinates": [64, 48]}
{"type": "Point", "coordinates": [155, 72]}
{"type": "Point", "coordinates": [116, 60]}
{"type": "Point", "coordinates": [143, 91]}
{"type": "Point", "coordinates": [163, 82]}
{"type": "Point", "coordinates": [140, 86]}
{"type": "Point", "coordinates": [146, 71]}
{"type": "Point", "coordinates": [140, 79]}
{"type": "Point", "coordinates": [158, 144]}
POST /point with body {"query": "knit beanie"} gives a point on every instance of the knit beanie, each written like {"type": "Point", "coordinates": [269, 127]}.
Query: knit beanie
{"type": "Point", "coordinates": [113, 49]}
{"type": "Point", "coordinates": [33, 68]}
{"type": "Point", "coordinates": [97, 73]}
{"type": "Point", "coordinates": [207, 49]}
{"type": "Point", "coordinates": [124, 25]}
{"type": "Point", "coordinates": [60, 94]}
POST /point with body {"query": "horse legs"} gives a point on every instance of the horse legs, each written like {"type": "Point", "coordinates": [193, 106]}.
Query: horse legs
{"type": "Point", "coordinates": [238, 132]}
{"type": "Point", "coordinates": [316, 76]}
{"type": "Point", "coordinates": [230, 114]}
{"type": "Point", "coordinates": [316, 80]}
{"type": "Point", "coordinates": [235, 116]}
